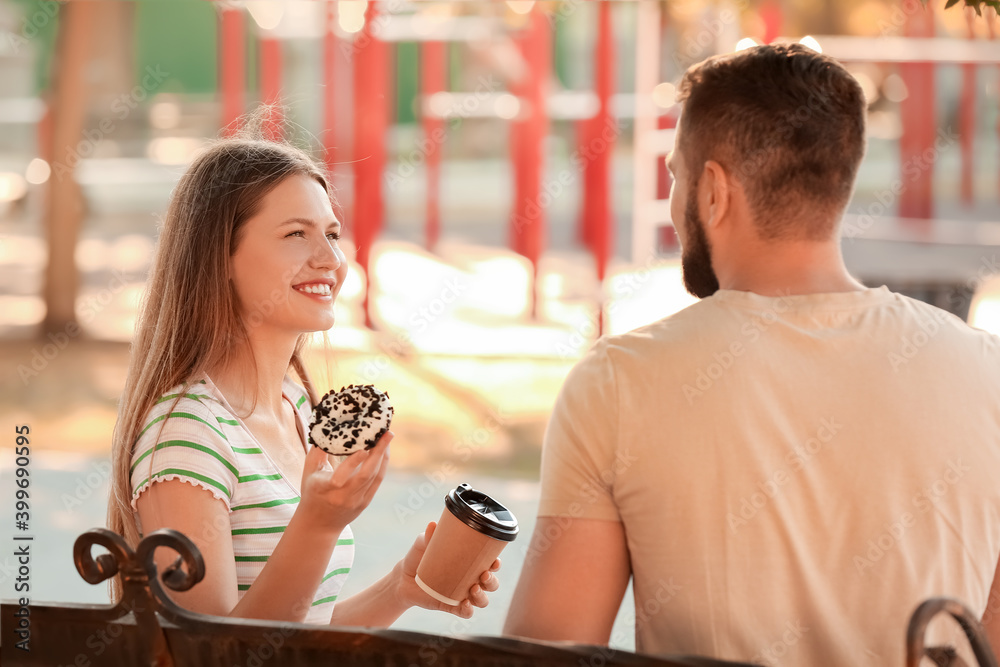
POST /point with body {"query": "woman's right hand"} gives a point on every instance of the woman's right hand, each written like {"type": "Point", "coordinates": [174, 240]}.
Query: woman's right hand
{"type": "Point", "coordinates": [333, 497]}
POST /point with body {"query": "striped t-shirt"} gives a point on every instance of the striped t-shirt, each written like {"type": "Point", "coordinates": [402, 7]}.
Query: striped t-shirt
{"type": "Point", "coordinates": [203, 443]}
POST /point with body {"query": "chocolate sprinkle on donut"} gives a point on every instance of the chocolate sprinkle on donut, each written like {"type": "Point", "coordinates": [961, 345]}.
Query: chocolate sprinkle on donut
{"type": "Point", "coordinates": [350, 420]}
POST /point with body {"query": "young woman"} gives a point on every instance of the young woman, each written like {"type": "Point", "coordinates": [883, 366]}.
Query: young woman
{"type": "Point", "coordinates": [210, 438]}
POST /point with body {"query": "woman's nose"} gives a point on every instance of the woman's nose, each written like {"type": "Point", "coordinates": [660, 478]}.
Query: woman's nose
{"type": "Point", "coordinates": [325, 255]}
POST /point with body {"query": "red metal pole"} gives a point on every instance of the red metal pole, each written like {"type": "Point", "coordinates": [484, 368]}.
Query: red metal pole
{"type": "Point", "coordinates": [529, 220]}
{"type": "Point", "coordinates": [517, 160]}
{"type": "Point", "coordinates": [371, 115]}
{"type": "Point", "coordinates": [919, 121]}
{"type": "Point", "coordinates": [604, 133]}
{"type": "Point", "coordinates": [270, 84]}
{"type": "Point", "coordinates": [585, 231]}
{"type": "Point", "coordinates": [329, 88]}
{"type": "Point", "coordinates": [518, 135]}
{"type": "Point", "coordinates": [602, 144]}
{"type": "Point", "coordinates": [967, 117]}
{"type": "Point", "coordinates": [433, 69]}
{"type": "Point", "coordinates": [232, 73]}
{"type": "Point", "coordinates": [773, 18]}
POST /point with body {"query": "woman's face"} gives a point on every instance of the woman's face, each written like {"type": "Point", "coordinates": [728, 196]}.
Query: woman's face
{"type": "Point", "coordinates": [287, 269]}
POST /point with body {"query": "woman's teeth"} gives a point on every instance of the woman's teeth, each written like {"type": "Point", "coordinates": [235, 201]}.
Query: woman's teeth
{"type": "Point", "coordinates": [315, 289]}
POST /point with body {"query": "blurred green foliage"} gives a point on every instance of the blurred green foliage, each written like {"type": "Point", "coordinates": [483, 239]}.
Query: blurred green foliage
{"type": "Point", "coordinates": [38, 30]}
{"type": "Point", "coordinates": [976, 4]}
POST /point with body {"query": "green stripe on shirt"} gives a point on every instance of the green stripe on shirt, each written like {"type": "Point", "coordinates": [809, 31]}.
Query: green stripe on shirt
{"type": "Point", "coordinates": [342, 570]}
{"type": "Point", "coordinates": [190, 445]}
{"type": "Point", "coordinates": [223, 420]}
{"type": "Point", "coordinates": [247, 450]}
{"type": "Point", "coordinates": [299, 403]}
{"type": "Point", "coordinates": [254, 478]}
{"type": "Point", "coordinates": [258, 531]}
{"type": "Point", "coordinates": [332, 598]}
{"type": "Point", "coordinates": [164, 399]}
{"type": "Point", "coordinates": [252, 559]}
{"type": "Point", "coordinates": [183, 415]}
{"type": "Point", "coordinates": [188, 473]}
{"type": "Point", "coordinates": [269, 503]}
{"type": "Point", "coordinates": [263, 559]}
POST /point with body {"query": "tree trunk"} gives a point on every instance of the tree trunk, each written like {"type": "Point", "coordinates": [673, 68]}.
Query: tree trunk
{"type": "Point", "coordinates": [86, 67]}
{"type": "Point", "coordinates": [64, 200]}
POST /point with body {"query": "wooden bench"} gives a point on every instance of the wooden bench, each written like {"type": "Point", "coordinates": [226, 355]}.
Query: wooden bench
{"type": "Point", "coordinates": [147, 628]}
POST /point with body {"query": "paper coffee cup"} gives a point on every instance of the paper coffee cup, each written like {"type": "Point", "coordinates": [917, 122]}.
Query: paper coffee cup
{"type": "Point", "coordinates": [471, 533]}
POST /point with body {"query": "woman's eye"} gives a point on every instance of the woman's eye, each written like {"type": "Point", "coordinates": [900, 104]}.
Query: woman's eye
{"type": "Point", "coordinates": [295, 233]}
{"type": "Point", "coordinates": [333, 236]}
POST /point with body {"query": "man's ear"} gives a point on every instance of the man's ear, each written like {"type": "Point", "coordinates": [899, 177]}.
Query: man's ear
{"type": "Point", "coordinates": [714, 191]}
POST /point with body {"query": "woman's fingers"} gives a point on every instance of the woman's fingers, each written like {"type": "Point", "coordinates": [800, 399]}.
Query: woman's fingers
{"type": "Point", "coordinates": [477, 596]}
{"type": "Point", "coordinates": [375, 455]}
{"type": "Point", "coordinates": [463, 610]}
{"type": "Point", "coordinates": [374, 468]}
{"type": "Point", "coordinates": [362, 466]}
{"type": "Point", "coordinates": [348, 467]}
{"type": "Point", "coordinates": [374, 483]}
{"type": "Point", "coordinates": [489, 582]}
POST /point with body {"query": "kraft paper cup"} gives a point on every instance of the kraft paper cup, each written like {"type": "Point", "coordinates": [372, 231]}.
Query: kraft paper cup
{"type": "Point", "coordinates": [471, 533]}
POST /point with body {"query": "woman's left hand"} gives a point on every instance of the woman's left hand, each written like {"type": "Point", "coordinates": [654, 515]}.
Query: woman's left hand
{"type": "Point", "coordinates": [413, 595]}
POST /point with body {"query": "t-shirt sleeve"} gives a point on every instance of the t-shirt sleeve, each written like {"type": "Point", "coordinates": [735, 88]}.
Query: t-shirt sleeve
{"type": "Point", "coordinates": [579, 450]}
{"type": "Point", "coordinates": [191, 446]}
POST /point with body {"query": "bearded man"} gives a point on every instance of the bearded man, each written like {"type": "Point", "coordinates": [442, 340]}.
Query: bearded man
{"type": "Point", "coordinates": [788, 467]}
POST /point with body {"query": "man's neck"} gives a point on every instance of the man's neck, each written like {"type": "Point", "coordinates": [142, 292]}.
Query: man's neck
{"type": "Point", "coordinates": [786, 268]}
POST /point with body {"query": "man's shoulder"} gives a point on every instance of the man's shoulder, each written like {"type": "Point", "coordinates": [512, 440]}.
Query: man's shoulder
{"type": "Point", "coordinates": [690, 323]}
{"type": "Point", "coordinates": [924, 315]}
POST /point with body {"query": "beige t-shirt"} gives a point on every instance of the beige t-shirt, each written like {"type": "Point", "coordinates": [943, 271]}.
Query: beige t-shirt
{"type": "Point", "coordinates": [794, 474]}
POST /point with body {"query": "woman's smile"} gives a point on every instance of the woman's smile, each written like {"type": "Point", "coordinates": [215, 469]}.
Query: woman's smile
{"type": "Point", "coordinates": [321, 291]}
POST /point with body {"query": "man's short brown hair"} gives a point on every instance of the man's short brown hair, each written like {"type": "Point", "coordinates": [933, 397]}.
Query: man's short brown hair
{"type": "Point", "coordinates": [786, 121]}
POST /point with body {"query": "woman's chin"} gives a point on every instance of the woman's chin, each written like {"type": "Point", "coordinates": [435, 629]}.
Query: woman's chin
{"type": "Point", "coordinates": [325, 325]}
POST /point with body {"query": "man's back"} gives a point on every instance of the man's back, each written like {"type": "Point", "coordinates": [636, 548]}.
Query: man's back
{"type": "Point", "coordinates": [793, 474]}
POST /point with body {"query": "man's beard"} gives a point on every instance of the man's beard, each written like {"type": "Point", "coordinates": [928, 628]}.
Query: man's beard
{"type": "Point", "coordinates": [696, 256]}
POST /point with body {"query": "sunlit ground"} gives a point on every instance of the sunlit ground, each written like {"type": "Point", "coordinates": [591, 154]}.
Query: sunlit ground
{"type": "Point", "coordinates": [467, 367]}
{"type": "Point", "coordinates": [454, 344]}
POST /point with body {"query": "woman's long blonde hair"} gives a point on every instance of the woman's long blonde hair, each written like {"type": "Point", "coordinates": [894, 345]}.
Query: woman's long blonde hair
{"type": "Point", "coordinates": [189, 322]}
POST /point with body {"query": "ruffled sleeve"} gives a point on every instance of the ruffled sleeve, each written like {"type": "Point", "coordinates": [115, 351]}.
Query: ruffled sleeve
{"type": "Point", "coordinates": [190, 445]}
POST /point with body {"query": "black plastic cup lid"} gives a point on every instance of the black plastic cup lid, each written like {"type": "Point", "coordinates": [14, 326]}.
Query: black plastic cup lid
{"type": "Point", "coordinates": [481, 513]}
